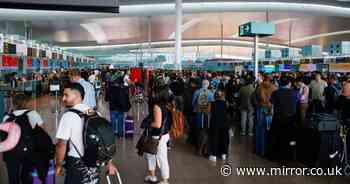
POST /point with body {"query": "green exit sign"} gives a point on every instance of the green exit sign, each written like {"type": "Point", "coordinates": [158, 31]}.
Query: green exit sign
{"type": "Point", "coordinates": [257, 28]}
{"type": "Point", "coordinates": [245, 30]}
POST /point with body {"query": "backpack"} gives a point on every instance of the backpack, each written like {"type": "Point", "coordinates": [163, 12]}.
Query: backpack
{"type": "Point", "coordinates": [177, 127]}
{"type": "Point", "coordinates": [24, 147]}
{"type": "Point", "coordinates": [43, 152]}
{"type": "Point", "coordinates": [98, 139]}
{"type": "Point", "coordinates": [203, 102]}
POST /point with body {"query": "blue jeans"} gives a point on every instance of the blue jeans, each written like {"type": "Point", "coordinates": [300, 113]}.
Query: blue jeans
{"type": "Point", "coordinates": [118, 122]}
{"type": "Point", "coordinates": [202, 120]}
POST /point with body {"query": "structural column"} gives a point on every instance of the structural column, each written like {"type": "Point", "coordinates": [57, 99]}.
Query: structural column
{"type": "Point", "coordinates": [178, 35]}
{"type": "Point", "coordinates": [149, 20]}
{"type": "Point", "coordinates": [256, 56]}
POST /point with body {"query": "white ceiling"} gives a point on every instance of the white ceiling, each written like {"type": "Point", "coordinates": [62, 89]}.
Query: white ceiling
{"type": "Point", "coordinates": [166, 7]}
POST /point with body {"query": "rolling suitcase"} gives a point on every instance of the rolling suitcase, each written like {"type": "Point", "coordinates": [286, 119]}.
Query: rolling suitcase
{"type": "Point", "coordinates": [328, 126]}
{"type": "Point", "coordinates": [308, 146]}
{"type": "Point", "coordinates": [50, 178]}
{"type": "Point", "coordinates": [325, 122]}
{"type": "Point", "coordinates": [330, 147]}
{"type": "Point", "coordinates": [129, 127]}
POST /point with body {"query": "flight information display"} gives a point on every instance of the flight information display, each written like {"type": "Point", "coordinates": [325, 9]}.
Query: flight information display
{"type": "Point", "coordinates": [111, 6]}
{"type": "Point", "coordinates": [32, 52]}
{"type": "Point", "coordinates": [9, 48]}
{"type": "Point", "coordinates": [42, 53]}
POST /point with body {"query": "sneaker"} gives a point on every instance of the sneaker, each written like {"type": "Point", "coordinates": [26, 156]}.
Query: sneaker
{"type": "Point", "coordinates": [224, 157]}
{"type": "Point", "coordinates": [164, 182]}
{"type": "Point", "coordinates": [151, 179]}
{"type": "Point", "coordinates": [212, 158]}
{"type": "Point", "coordinates": [251, 134]}
{"type": "Point", "coordinates": [231, 133]}
{"type": "Point", "coordinates": [243, 134]}
{"type": "Point", "coordinates": [292, 143]}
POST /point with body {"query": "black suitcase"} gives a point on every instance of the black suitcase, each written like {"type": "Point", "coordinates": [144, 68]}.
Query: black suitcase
{"type": "Point", "coordinates": [308, 146]}
{"type": "Point", "coordinates": [324, 122]}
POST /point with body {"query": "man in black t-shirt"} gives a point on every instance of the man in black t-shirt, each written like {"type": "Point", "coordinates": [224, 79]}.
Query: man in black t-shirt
{"type": "Point", "coordinates": [284, 101]}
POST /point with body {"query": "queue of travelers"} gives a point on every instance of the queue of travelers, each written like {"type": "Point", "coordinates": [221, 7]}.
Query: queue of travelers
{"type": "Point", "coordinates": [207, 107]}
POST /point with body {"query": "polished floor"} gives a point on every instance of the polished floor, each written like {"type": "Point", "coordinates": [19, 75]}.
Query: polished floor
{"type": "Point", "coordinates": [186, 167]}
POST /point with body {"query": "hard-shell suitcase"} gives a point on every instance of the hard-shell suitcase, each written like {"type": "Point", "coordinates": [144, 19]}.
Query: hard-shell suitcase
{"type": "Point", "coordinates": [129, 127]}
{"type": "Point", "coordinates": [50, 178]}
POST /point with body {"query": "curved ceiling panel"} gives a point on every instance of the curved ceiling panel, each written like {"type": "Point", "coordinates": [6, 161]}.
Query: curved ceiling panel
{"type": "Point", "coordinates": [166, 7]}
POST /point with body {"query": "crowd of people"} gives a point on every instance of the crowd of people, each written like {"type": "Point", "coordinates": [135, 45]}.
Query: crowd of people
{"type": "Point", "coordinates": [211, 105]}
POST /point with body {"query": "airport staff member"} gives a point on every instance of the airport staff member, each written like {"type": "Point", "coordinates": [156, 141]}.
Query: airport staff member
{"type": "Point", "coordinates": [70, 132]}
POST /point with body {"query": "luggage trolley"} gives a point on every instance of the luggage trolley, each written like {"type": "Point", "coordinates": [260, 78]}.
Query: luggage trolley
{"type": "Point", "coordinates": [139, 100]}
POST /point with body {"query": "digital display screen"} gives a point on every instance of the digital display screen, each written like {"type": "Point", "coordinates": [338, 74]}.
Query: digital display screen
{"type": "Point", "coordinates": [42, 53]}
{"type": "Point", "coordinates": [307, 67]}
{"type": "Point", "coordinates": [285, 67]}
{"type": "Point", "coordinates": [9, 48]}
{"type": "Point", "coordinates": [111, 6]}
{"type": "Point", "coordinates": [54, 55]}
{"type": "Point", "coordinates": [32, 52]}
{"type": "Point", "coordinates": [269, 68]}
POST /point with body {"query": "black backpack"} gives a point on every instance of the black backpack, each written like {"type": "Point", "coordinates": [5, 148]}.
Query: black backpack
{"type": "Point", "coordinates": [43, 152]}
{"type": "Point", "coordinates": [98, 139]}
{"type": "Point", "coordinates": [24, 148]}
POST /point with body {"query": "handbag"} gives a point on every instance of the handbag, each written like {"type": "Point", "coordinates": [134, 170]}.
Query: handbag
{"type": "Point", "coordinates": [147, 143]}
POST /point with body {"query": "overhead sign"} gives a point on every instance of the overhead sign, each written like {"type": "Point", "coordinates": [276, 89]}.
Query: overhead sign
{"type": "Point", "coordinates": [344, 67]}
{"type": "Point", "coordinates": [257, 28]}
{"type": "Point", "coordinates": [307, 67]}
{"type": "Point", "coordinates": [106, 6]}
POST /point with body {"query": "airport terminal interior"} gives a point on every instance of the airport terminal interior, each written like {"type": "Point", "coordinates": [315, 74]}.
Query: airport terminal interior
{"type": "Point", "coordinates": [247, 84]}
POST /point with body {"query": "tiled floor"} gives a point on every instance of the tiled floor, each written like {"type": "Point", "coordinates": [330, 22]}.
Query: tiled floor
{"type": "Point", "coordinates": [186, 167]}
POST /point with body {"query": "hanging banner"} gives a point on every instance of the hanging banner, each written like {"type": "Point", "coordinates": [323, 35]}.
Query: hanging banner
{"type": "Point", "coordinates": [29, 62]}
{"type": "Point", "coordinates": [45, 63]}
{"type": "Point", "coordinates": [36, 63]}
{"type": "Point", "coordinates": [136, 75]}
{"type": "Point", "coordinates": [9, 62]}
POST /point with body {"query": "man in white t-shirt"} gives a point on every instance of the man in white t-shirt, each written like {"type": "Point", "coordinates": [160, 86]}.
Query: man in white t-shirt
{"type": "Point", "coordinates": [70, 132]}
{"type": "Point", "coordinates": [21, 103]}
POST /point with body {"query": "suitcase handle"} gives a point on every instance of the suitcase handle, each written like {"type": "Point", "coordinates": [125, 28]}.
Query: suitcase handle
{"type": "Point", "coordinates": [116, 177]}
